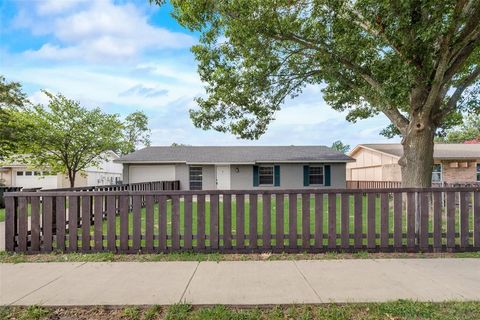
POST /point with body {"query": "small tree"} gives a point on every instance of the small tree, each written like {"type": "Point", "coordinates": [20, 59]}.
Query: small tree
{"type": "Point", "coordinates": [68, 138]}
{"type": "Point", "coordinates": [468, 130]}
{"type": "Point", "coordinates": [339, 146]}
{"type": "Point", "coordinates": [136, 131]}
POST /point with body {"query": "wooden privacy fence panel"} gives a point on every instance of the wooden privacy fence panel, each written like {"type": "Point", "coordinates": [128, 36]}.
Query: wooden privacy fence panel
{"type": "Point", "coordinates": [316, 220]}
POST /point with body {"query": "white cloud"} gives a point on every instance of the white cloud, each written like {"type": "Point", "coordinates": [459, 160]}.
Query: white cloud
{"type": "Point", "coordinates": [97, 31]}
{"type": "Point", "coordinates": [47, 7]}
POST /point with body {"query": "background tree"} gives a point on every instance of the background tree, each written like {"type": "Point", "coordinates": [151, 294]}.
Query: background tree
{"type": "Point", "coordinates": [416, 61]}
{"type": "Point", "coordinates": [340, 146]}
{"type": "Point", "coordinates": [469, 130]}
{"type": "Point", "coordinates": [68, 138]}
{"type": "Point", "coordinates": [136, 131]}
{"type": "Point", "coordinates": [12, 131]}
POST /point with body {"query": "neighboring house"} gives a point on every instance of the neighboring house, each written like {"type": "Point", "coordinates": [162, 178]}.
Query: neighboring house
{"type": "Point", "coordinates": [17, 174]}
{"type": "Point", "coordinates": [454, 163]}
{"type": "Point", "coordinates": [238, 168]}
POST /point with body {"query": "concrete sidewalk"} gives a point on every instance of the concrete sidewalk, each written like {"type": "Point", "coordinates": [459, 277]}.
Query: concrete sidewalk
{"type": "Point", "coordinates": [239, 283]}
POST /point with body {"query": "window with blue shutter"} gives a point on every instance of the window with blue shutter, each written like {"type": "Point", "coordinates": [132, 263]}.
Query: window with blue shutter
{"type": "Point", "coordinates": [255, 176]}
{"type": "Point", "coordinates": [277, 176]}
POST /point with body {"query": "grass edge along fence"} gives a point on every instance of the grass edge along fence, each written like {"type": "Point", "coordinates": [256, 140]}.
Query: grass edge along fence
{"type": "Point", "coordinates": [315, 220]}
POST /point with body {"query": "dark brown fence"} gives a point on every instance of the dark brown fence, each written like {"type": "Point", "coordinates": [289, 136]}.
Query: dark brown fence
{"type": "Point", "coordinates": [317, 220]}
{"type": "Point", "coordinates": [358, 184]}
{"type": "Point", "coordinates": [4, 189]}
{"type": "Point", "coordinates": [138, 186]}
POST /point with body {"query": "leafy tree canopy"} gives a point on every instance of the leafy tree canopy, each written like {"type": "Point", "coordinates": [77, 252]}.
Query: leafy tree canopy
{"type": "Point", "coordinates": [415, 61]}
{"type": "Point", "coordinates": [340, 146]}
{"type": "Point", "coordinates": [136, 132]}
{"type": "Point", "coordinates": [469, 130]}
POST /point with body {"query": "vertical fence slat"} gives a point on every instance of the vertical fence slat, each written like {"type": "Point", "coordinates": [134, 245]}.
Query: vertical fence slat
{"type": "Point", "coordinates": [162, 223]}
{"type": "Point", "coordinates": [279, 218]}
{"type": "Point", "coordinates": [358, 220]}
{"type": "Point", "coordinates": [345, 220]}
{"type": "Point", "coordinates": [22, 223]}
{"type": "Point", "coordinates": [47, 224]}
{"type": "Point", "coordinates": [214, 230]}
{"type": "Point", "coordinates": [384, 221]}
{"type": "Point", "coordinates": [464, 217]}
{"type": "Point", "coordinates": [318, 220]}
{"type": "Point", "coordinates": [176, 222]}
{"type": "Point", "coordinates": [200, 222]}
{"type": "Point", "coordinates": [424, 217]}
{"type": "Point", "coordinates": [332, 220]}
{"type": "Point", "coordinates": [371, 198]}
{"type": "Point", "coordinates": [437, 220]}
{"type": "Point", "coordinates": [72, 223]}
{"type": "Point", "coordinates": [188, 221]}
{"type": "Point", "coordinates": [266, 232]}
{"type": "Point", "coordinates": [136, 223]}
{"type": "Point", "coordinates": [305, 221]}
{"type": "Point", "coordinates": [227, 221]}
{"type": "Point", "coordinates": [111, 225]}
{"type": "Point", "coordinates": [86, 219]}
{"type": "Point", "coordinates": [98, 222]}
{"type": "Point", "coordinates": [10, 222]}
{"type": "Point", "coordinates": [411, 207]}
{"type": "Point", "coordinates": [292, 221]}
{"type": "Point", "coordinates": [149, 221]}
{"type": "Point", "coordinates": [450, 219]}
{"type": "Point", "coordinates": [397, 220]}
{"type": "Point", "coordinates": [476, 219]}
{"type": "Point", "coordinates": [240, 220]}
{"type": "Point", "coordinates": [123, 203]}
{"type": "Point", "coordinates": [253, 234]}
{"type": "Point", "coordinates": [35, 225]}
{"type": "Point", "coordinates": [60, 222]}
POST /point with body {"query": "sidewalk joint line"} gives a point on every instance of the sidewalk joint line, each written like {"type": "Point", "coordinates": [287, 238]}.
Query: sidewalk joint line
{"type": "Point", "coordinates": [44, 285]}
{"type": "Point", "coordinates": [308, 283]}
{"type": "Point", "coordinates": [189, 281]}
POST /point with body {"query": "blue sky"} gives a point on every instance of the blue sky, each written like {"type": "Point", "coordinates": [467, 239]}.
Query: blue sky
{"type": "Point", "coordinates": [126, 55]}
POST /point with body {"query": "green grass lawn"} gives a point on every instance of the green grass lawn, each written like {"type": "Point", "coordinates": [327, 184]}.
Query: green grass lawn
{"type": "Point", "coordinates": [398, 310]}
{"type": "Point", "coordinates": [2, 215]}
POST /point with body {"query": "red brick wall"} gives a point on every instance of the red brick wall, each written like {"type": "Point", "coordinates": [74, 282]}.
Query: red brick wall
{"type": "Point", "coordinates": [459, 174]}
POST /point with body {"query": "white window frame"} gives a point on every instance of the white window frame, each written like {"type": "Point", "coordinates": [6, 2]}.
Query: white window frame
{"type": "Point", "coordinates": [20, 174]}
{"type": "Point", "coordinates": [260, 174]}
{"type": "Point", "coordinates": [441, 172]}
{"type": "Point", "coordinates": [478, 171]}
{"type": "Point", "coordinates": [323, 175]}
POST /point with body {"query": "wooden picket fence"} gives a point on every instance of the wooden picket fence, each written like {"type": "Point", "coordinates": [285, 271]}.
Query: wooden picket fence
{"type": "Point", "coordinates": [314, 220]}
{"type": "Point", "coordinates": [137, 186]}
{"type": "Point", "coordinates": [360, 184]}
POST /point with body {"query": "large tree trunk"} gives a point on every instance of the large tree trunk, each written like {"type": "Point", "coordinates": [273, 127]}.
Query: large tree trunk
{"type": "Point", "coordinates": [71, 178]}
{"type": "Point", "coordinates": [417, 160]}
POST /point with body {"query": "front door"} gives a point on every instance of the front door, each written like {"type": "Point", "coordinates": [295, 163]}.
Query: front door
{"type": "Point", "coordinates": [223, 177]}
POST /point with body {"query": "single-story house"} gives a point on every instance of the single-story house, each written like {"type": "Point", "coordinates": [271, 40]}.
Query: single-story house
{"type": "Point", "coordinates": [454, 163]}
{"type": "Point", "coordinates": [18, 174]}
{"type": "Point", "coordinates": [238, 168]}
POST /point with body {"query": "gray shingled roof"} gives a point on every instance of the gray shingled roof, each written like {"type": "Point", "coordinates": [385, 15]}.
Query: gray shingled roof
{"type": "Point", "coordinates": [235, 154]}
{"type": "Point", "coordinates": [447, 151]}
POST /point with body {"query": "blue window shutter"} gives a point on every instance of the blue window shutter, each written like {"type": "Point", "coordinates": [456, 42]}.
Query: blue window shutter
{"type": "Point", "coordinates": [255, 176]}
{"type": "Point", "coordinates": [306, 180]}
{"type": "Point", "coordinates": [328, 175]}
{"type": "Point", "coordinates": [277, 176]}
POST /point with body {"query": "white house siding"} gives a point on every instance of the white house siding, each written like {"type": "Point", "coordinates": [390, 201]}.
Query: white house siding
{"type": "Point", "coordinates": [150, 172]}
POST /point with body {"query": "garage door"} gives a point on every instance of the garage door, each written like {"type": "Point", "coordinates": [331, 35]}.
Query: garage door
{"type": "Point", "coordinates": [151, 173]}
{"type": "Point", "coordinates": [32, 179]}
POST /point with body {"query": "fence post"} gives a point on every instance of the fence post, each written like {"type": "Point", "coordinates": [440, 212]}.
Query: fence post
{"type": "Point", "coordinates": [10, 218]}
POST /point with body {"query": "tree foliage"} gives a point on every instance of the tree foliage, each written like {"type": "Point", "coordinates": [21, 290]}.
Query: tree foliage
{"type": "Point", "coordinates": [12, 101]}
{"type": "Point", "coordinates": [469, 130]}
{"type": "Point", "coordinates": [416, 61]}
{"type": "Point", "coordinates": [136, 132]}
{"type": "Point", "coordinates": [340, 146]}
{"type": "Point", "coordinates": [67, 138]}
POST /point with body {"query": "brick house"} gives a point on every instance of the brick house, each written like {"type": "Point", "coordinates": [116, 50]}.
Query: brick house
{"type": "Point", "coordinates": [454, 163]}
